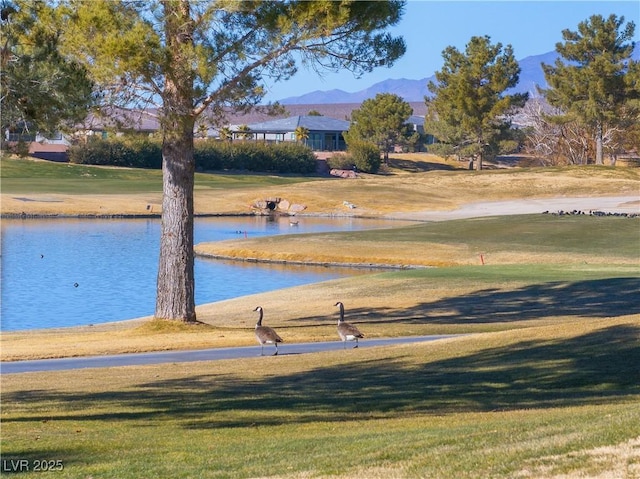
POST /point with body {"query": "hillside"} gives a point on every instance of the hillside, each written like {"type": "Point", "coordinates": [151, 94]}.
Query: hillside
{"type": "Point", "coordinates": [531, 75]}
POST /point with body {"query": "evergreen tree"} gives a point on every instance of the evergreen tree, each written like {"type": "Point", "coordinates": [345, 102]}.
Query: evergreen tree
{"type": "Point", "coordinates": [40, 89]}
{"type": "Point", "coordinates": [469, 110]}
{"type": "Point", "coordinates": [382, 121]}
{"type": "Point", "coordinates": [594, 81]}
{"type": "Point", "coordinates": [197, 59]}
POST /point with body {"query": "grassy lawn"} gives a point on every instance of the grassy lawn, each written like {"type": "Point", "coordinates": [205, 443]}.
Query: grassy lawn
{"type": "Point", "coordinates": [412, 184]}
{"type": "Point", "coordinates": [28, 177]}
{"type": "Point", "coordinates": [464, 299]}
{"type": "Point", "coordinates": [546, 385]}
{"type": "Point", "coordinates": [500, 240]}
{"type": "Point", "coordinates": [559, 400]}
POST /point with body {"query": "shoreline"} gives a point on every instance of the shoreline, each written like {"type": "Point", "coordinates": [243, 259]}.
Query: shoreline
{"type": "Point", "coordinates": [620, 204]}
{"type": "Point", "coordinates": [327, 264]}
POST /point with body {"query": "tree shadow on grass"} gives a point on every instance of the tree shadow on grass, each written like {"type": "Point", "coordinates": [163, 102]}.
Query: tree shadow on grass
{"type": "Point", "coordinates": [419, 166]}
{"type": "Point", "coordinates": [595, 368]}
{"type": "Point", "coordinates": [598, 298]}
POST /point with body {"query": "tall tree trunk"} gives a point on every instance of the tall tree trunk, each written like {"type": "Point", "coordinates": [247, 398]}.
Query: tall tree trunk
{"type": "Point", "coordinates": [175, 297]}
{"type": "Point", "coordinates": [599, 154]}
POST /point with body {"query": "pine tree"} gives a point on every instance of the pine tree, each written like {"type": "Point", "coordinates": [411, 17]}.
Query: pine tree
{"type": "Point", "coordinates": [197, 59]}
{"type": "Point", "coordinates": [40, 89]}
{"type": "Point", "coordinates": [469, 110]}
{"type": "Point", "coordinates": [592, 80]}
{"type": "Point", "coordinates": [382, 121]}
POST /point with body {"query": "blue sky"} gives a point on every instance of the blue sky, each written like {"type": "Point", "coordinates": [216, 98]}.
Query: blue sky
{"type": "Point", "coordinates": [428, 27]}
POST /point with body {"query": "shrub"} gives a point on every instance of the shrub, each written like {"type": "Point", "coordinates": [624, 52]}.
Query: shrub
{"type": "Point", "coordinates": [212, 155]}
{"type": "Point", "coordinates": [134, 152]}
{"type": "Point", "coordinates": [22, 149]}
{"type": "Point", "coordinates": [209, 155]}
{"type": "Point", "coordinates": [340, 161]}
{"type": "Point", "coordinates": [366, 156]}
{"type": "Point", "coordinates": [250, 156]}
{"type": "Point", "coordinates": [293, 158]}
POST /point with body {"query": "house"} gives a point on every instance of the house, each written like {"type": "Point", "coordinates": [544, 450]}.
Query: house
{"type": "Point", "coordinates": [416, 123]}
{"type": "Point", "coordinates": [116, 121]}
{"type": "Point", "coordinates": [325, 134]}
{"type": "Point", "coordinates": [52, 148]}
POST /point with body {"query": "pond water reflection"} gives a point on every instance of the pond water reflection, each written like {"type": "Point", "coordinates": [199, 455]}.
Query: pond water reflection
{"type": "Point", "coordinates": [69, 272]}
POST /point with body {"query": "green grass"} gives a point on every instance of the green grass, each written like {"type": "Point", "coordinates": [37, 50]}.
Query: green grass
{"type": "Point", "coordinates": [554, 392]}
{"type": "Point", "coordinates": [490, 406]}
{"type": "Point", "coordinates": [25, 176]}
{"type": "Point", "coordinates": [515, 238]}
{"type": "Point", "coordinates": [535, 233]}
{"type": "Point", "coordinates": [472, 299]}
{"type": "Point", "coordinates": [518, 292]}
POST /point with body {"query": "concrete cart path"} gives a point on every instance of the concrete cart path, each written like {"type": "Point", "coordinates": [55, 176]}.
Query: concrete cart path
{"type": "Point", "coordinates": [139, 359]}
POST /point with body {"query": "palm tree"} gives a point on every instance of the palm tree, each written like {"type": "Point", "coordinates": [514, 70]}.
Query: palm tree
{"type": "Point", "coordinates": [302, 134]}
{"type": "Point", "coordinates": [226, 134]}
{"type": "Point", "coordinates": [244, 132]}
{"type": "Point", "coordinates": [202, 130]}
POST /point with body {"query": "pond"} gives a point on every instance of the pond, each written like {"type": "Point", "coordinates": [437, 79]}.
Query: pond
{"type": "Point", "coordinates": [71, 272]}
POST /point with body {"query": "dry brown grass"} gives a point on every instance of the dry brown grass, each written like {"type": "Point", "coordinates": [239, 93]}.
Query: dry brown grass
{"type": "Point", "coordinates": [412, 188]}
{"type": "Point", "coordinates": [329, 250]}
{"type": "Point", "coordinates": [616, 461]}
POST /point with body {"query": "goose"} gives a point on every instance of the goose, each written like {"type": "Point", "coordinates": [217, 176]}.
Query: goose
{"type": "Point", "coordinates": [346, 331]}
{"type": "Point", "coordinates": [265, 334]}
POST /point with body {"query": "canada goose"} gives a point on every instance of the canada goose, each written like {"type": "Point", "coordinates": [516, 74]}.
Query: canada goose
{"type": "Point", "coordinates": [265, 334]}
{"type": "Point", "coordinates": [347, 332]}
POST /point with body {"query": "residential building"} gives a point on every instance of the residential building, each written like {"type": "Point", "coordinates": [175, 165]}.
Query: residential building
{"type": "Point", "coordinates": [324, 133]}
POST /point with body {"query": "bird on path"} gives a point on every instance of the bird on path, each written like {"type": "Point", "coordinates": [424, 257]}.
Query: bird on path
{"type": "Point", "coordinates": [346, 331]}
{"type": "Point", "coordinates": [265, 334]}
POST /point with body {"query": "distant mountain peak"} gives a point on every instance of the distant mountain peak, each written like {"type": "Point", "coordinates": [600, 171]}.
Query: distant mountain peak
{"type": "Point", "coordinates": [531, 76]}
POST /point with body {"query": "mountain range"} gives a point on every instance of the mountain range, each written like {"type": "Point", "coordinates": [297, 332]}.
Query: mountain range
{"type": "Point", "coordinates": [531, 74]}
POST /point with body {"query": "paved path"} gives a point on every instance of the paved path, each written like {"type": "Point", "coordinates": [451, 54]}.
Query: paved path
{"type": "Point", "coordinates": [138, 359]}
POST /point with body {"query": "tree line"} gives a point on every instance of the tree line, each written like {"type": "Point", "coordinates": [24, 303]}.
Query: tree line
{"type": "Point", "coordinates": [590, 108]}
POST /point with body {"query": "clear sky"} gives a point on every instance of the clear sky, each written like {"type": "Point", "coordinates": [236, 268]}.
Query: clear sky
{"type": "Point", "coordinates": [428, 27]}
